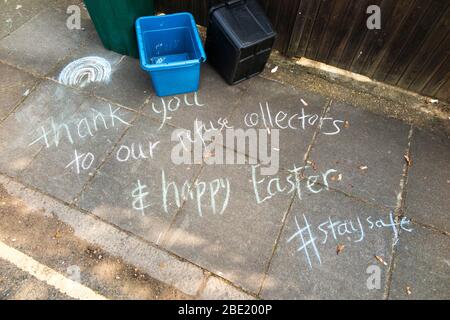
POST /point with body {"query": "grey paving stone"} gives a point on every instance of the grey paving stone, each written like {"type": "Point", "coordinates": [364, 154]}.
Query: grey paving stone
{"type": "Point", "coordinates": [284, 103]}
{"type": "Point", "coordinates": [66, 163]}
{"type": "Point", "coordinates": [15, 85]}
{"type": "Point", "coordinates": [14, 13]}
{"type": "Point", "coordinates": [422, 263]}
{"type": "Point", "coordinates": [328, 275]}
{"type": "Point", "coordinates": [214, 100]}
{"type": "Point", "coordinates": [110, 194]}
{"type": "Point", "coordinates": [42, 42]}
{"type": "Point", "coordinates": [369, 154]}
{"type": "Point", "coordinates": [428, 187]}
{"type": "Point", "coordinates": [236, 243]}
{"type": "Point", "coordinates": [129, 85]}
{"type": "Point", "coordinates": [22, 128]}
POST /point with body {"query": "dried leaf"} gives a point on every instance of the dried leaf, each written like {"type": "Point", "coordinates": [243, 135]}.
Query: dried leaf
{"type": "Point", "coordinates": [312, 164]}
{"type": "Point", "coordinates": [408, 160]}
{"type": "Point", "coordinates": [336, 178]}
{"type": "Point", "coordinates": [346, 124]}
{"type": "Point", "coordinates": [380, 260]}
{"type": "Point", "coordinates": [408, 291]}
{"type": "Point", "coordinates": [58, 234]}
{"type": "Point", "coordinates": [339, 248]}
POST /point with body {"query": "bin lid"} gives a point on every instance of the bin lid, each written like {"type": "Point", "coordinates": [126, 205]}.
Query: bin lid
{"type": "Point", "coordinates": [244, 21]}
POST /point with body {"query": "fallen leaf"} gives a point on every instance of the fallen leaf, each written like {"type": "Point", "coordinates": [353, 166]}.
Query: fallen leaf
{"type": "Point", "coordinates": [336, 178]}
{"type": "Point", "coordinates": [58, 234]}
{"type": "Point", "coordinates": [313, 164]}
{"type": "Point", "coordinates": [408, 291]}
{"type": "Point", "coordinates": [346, 124]}
{"type": "Point", "coordinates": [339, 248]}
{"type": "Point", "coordinates": [408, 160]}
{"type": "Point", "coordinates": [380, 260]}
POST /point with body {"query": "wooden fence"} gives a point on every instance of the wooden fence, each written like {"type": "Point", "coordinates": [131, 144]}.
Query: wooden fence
{"type": "Point", "coordinates": [411, 50]}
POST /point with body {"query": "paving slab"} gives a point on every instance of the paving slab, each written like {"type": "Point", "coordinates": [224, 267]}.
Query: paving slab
{"type": "Point", "coordinates": [126, 84]}
{"type": "Point", "coordinates": [428, 187]}
{"type": "Point", "coordinates": [369, 152]}
{"type": "Point", "coordinates": [15, 86]}
{"type": "Point", "coordinates": [42, 42]}
{"type": "Point", "coordinates": [306, 264]}
{"type": "Point", "coordinates": [81, 142]}
{"type": "Point", "coordinates": [236, 239]}
{"type": "Point", "coordinates": [270, 105]}
{"type": "Point", "coordinates": [130, 176]}
{"type": "Point", "coordinates": [214, 100]}
{"type": "Point", "coordinates": [130, 86]}
{"type": "Point", "coordinates": [422, 266]}
{"type": "Point", "coordinates": [14, 13]}
{"type": "Point", "coordinates": [23, 127]}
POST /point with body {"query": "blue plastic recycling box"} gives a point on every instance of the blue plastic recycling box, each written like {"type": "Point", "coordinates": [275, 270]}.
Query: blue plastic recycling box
{"type": "Point", "coordinates": [171, 51]}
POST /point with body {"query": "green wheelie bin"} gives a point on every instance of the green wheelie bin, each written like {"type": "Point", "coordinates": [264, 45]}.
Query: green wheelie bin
{"type": "Point", "coordinates": [114, 21]}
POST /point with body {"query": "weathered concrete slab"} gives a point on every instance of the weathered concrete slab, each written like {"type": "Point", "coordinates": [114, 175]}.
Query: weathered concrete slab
{"type": "Point", "coordinates": [236, 239]}
{"type": "Point", "coordinates": [214, 101]}
{"type": "Point", "coordinates": [306, 264]}
{"type": "Point", "coordinates": [428, 187]}
{"type": "Point", "coordinates": [422, 266]}
{"type": "Point", "coordinates": [42, 42]}
{"type": "Point", "coordinates": [130, 86]}
{"type": "Point", "coordinates": [15, 13]}
{"type": "Point", "coordinates": [369, 153]}
{"type": "Point", "coordinates": [15, 85]}
{"type": "Point", "coordinates": [270, 105]}
{"type": "Point", "coordinates": [114, 195]}
{"type": "Point", "coordinates": [22, 128]}
{"type": "Point", "coordinates": [126, 84]}
{"type": "Point", "coordinates": [77, 143]}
